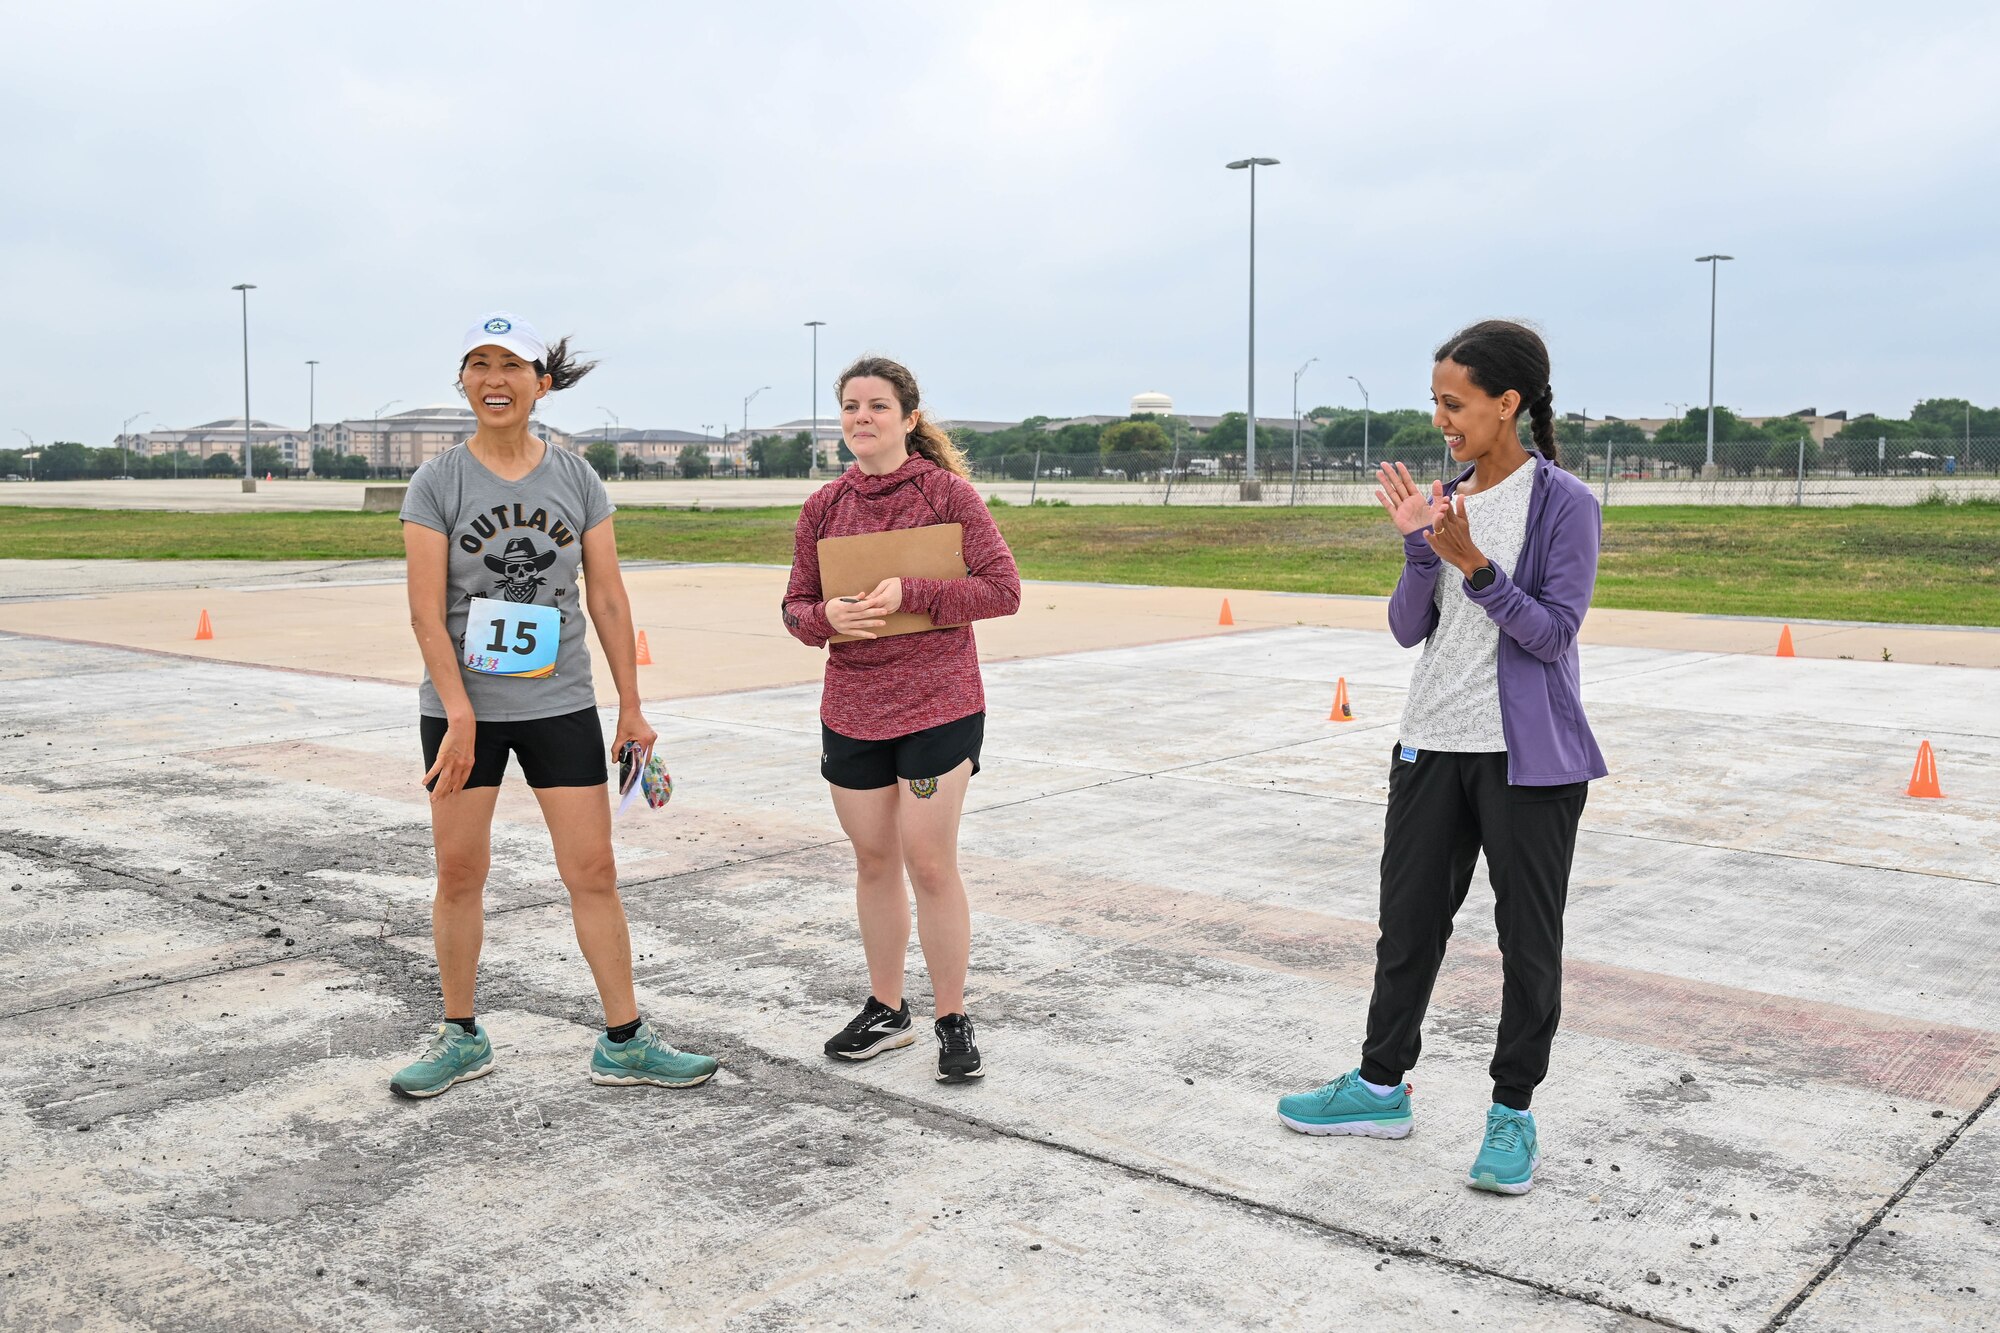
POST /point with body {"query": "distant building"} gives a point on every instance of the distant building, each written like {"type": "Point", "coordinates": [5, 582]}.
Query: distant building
{"type": "Point", "coordinates": [1152, 404]}
{"type": "Point", "coordinates": [977, 427]}
{"type": "Point", "coordinates": [219, 437]}
{"type": "Point", "coordinates": [1263, 423]}
{"type": "Point", "coordinates": [649, 446]}
{"type": "Point", "coordinates": [1193, 422]}
{"type": "Point", "coordinates": [1098, 419]}
{"type": "Point", "coordinates": [401, 442]}
{"type": "Point", "coordinates": [1819, 428]}
{"type": "Point", "coordinates": [736, 444]}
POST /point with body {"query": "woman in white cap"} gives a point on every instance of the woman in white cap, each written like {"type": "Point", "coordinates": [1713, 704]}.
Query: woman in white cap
{"type": "Point", "coordinates": [497, 531]}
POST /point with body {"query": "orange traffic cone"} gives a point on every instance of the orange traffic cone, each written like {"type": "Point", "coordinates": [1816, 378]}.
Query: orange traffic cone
{"type": "Point", "coordinates": [1923, 778]}
{"type": "Point", "coordinates": [1785, 642]}
{"type": "Point", "coordinates": [204, 630]}
{"type": "Point", "coordinates": [645, 653]}
{"type": "Point", "coordinates": [1341, 712]}
{"type": "Point", "coordinates": [1227, 619]}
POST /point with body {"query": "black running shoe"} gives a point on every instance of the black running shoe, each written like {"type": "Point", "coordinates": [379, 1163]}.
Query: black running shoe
{"type": "Point", "coordinates": [877, 1028]}
{"type": "Point", "coordinates": [958, 1058]}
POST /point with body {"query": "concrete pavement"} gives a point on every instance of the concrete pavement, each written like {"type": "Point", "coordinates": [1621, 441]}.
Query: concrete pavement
{"type": "Point", "coordinates": [1771, 1100]}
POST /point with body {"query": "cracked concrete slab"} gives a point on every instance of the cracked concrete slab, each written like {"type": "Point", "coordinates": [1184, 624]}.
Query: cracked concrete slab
{"type": "Point", "coordinates": [1930, 1261]}
{"type": "Point", "coordinates": [1779, 1018]}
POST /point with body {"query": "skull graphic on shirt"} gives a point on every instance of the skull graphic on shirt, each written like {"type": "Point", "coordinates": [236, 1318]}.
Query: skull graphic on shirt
{"type": "Point", "coordinates": [520, 569]}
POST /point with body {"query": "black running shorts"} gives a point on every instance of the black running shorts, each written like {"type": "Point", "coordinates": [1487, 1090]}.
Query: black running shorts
{"type": "Point", "coordinates": [930, 753]}
{"type": "Point", "coordinates": [564, 751]}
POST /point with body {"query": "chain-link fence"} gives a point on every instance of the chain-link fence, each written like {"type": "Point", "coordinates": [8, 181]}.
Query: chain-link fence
{"type": "Point", "coordinates": [1762, 472]}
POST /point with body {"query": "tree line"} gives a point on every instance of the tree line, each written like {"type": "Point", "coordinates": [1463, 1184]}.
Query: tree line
{"type": "Point", "coordinates": [1328, 437]}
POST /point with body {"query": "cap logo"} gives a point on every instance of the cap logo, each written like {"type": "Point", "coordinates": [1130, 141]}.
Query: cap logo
{"type": "Point", "coordinates": [498, 326]}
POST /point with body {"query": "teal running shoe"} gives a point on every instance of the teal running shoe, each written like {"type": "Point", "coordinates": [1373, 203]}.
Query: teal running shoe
{"type": "Point", "coordinates": [453, 1058]}
{"type": "Point", "coordinates": [647, 1059]}
{"type": "Point", "coordinates": [1345, 1106]}
{"type": "Point", "coordinates": [1508, 1158]}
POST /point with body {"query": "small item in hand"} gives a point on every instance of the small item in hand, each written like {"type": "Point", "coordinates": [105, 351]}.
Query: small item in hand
{"type": "Point", "coordinates": [641, 774]}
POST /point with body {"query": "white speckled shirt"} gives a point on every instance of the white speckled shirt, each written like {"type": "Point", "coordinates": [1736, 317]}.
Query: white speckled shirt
{"type": "Point", "coordinates": [1454, 700]}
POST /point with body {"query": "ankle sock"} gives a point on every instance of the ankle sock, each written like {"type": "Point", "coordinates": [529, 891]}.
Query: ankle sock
{"type": "Point", "coordinates": [1384, 1091]}
{"type": "Point", "coordinates": [470, 1026]}
{"type": "Point", "coordinates": [624, 1032]}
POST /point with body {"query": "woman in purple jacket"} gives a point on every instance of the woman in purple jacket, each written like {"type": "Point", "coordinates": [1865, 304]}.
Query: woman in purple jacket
{"type": "Point", "coordinates": [1494, 754]}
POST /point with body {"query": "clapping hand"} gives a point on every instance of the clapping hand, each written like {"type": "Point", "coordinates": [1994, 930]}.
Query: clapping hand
{"type": "Point", "coordinates": [1451, 536]}
{"type": "Point", "coordinates": [1404, 501]}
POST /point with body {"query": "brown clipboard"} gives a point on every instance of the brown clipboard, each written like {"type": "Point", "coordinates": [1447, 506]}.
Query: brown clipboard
{"type": "Point", "coordinates": [854, 566]}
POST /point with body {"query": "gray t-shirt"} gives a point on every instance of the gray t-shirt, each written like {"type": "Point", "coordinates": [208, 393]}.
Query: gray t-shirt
{"type": "Point", "coordinates": [513, 541]}
{"type": "Point", "coordinates": [1454, 699]}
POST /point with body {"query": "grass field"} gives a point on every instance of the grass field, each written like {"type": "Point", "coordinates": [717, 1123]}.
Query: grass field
{"type": "Point", "coordinates": [1922, 564]}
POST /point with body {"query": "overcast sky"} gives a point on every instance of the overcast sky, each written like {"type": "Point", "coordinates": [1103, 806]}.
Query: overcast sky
{"type": "Point", "coordinates": [1025, 202]}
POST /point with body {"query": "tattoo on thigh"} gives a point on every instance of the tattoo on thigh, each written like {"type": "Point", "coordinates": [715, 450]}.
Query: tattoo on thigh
{"type": "Point", "coordinates": [923, 788]}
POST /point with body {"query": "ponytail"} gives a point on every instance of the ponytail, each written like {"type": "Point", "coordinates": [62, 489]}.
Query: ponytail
{"type": "Point", "coordinates": [929, 439]}
{"type": "Point", "coordinates": [926, 436]}
{"type": "Point", "coordinates": [562, 367]}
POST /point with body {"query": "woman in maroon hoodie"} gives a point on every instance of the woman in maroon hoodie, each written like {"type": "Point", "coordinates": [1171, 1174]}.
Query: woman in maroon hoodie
{"type": "Point", "coordinates": [901, 718]}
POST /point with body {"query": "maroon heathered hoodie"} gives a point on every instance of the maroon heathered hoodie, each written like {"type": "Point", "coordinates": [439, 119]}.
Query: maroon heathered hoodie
{"type": "Point", "coordinates": [877, 689]}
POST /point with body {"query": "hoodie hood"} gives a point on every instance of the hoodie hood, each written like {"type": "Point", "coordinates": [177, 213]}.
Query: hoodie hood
{"type": "Point", "coordinates": [873, 487]}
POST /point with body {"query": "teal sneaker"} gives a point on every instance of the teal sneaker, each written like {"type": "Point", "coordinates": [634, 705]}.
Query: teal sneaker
{"type": "Point", "coordinates": [1508, 1158]}
{"type": "Point", "coordinates": [452, 1058]}
{"type": "Point", "coordinates": [1345, 1106]}
{"type": "Point", "coordinates": [647, 1059]}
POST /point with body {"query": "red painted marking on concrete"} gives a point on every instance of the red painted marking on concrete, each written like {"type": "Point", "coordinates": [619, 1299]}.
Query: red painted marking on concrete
{"type": "Point", "coordinates": [1777, 1036]}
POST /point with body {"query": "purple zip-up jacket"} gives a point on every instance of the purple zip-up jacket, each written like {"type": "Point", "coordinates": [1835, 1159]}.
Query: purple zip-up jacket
{"type": "Point", "coordinates": [1538, 610]}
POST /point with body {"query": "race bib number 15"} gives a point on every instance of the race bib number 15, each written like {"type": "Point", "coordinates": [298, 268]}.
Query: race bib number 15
{"type": "Point", "coordinates": [511, 638]}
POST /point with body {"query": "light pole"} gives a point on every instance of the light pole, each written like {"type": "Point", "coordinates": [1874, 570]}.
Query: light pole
{"type": "Point", "coordinates": [312, 406]}
{"type": "Point", "coordinates": [815, 325]}
{"type": "Point", "coordinates": [1295, 427]}
{"type": "Point", "coordinates": [1714, 263]}
{"type": "Point", "coordinates": [125, 450]}
{"type": "Point", "coordinates": [381, 436]}
{"type": "Point", "coordinates": [611, 419]}
{"type": "Point", "coordinates": [1251, 490]}
{"type": "Point", "coordinates": [249, 480]}
{"type": "Point", "coordinates": [30, 455]}
{"type": "Point", "coordinates": [1364, 424]}
{"type": "Point", "coordinates": [748, 398]}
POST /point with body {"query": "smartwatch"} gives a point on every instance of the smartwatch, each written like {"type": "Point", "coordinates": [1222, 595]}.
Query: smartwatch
{"type": "Point", "coordinates": [1482, 578]}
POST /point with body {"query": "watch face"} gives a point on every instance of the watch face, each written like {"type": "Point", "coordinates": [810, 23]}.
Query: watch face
{"type": "Point", "coordinates": [1482, 578]}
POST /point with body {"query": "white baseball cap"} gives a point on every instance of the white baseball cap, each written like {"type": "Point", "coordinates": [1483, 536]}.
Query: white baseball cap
{"type": "Point", "coordinates": [501, 329]}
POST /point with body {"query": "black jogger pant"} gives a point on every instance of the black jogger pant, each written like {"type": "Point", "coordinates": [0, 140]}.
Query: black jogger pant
{"type": "Point", "coordinates": [1444, 809]}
